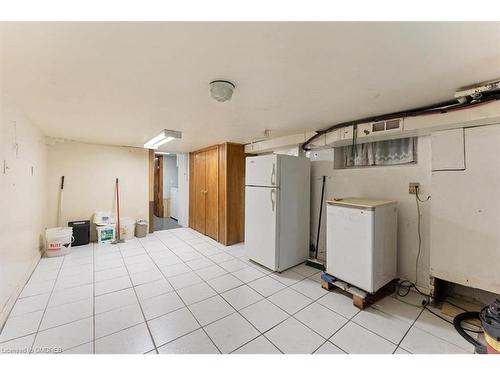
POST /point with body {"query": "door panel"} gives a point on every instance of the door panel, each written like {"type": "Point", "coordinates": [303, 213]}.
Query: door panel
{"type": "Point", "coordinates": [212, 193]}
{"type": "Point", "coordinates": [262, 171]}
{"type": "Point", "coordinates": [260, 225]}
{"type": "Point", "coordinates": [199, 191]}
{"type": "Point", "coordinates": [158, 186]}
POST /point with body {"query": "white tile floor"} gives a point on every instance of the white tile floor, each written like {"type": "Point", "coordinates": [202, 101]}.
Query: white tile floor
{"type": "Point", "coordinates": [178, 291]}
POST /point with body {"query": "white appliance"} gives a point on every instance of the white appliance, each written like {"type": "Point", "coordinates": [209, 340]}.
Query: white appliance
{"type": "Point", "coordinates": [361, 242]}
{"type": "Point", "coordinates": [465, 207]}
{"type": "Point", "coordinates": [277, 200]}
{"type": "Point", "coordinates": [174, 203]}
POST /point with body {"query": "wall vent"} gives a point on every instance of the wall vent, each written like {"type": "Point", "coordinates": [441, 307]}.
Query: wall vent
{"type": "Point", "coordinates": [380, 126]}
{"type": "Point", "coordinates": [392, 124]}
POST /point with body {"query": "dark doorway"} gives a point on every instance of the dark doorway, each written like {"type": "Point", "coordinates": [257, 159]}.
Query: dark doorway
{"type": "Point", "coordinates": [165, 192]}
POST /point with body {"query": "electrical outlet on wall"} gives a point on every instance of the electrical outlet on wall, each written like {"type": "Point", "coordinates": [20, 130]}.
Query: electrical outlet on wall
{"type": "Point", "coordinates": [5, 167]}
{"type": "Point", "coordinates": [412, 189]}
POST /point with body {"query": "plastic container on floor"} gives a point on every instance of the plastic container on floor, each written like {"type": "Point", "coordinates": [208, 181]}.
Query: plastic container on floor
{"type": "Point", "coordinates": [127, 228]}
{"type": "Point", "coordinates": [141, 228]}
{"type": "Point", "coordinates": [105, 233]}
{"type": "Point", "coordinates": [103, 218]}
{"type": "Point", "coordinates": [58, 241]}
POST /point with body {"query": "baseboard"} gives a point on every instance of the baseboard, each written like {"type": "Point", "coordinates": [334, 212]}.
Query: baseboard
{"type": "Point", "coordinates": [4, 314]}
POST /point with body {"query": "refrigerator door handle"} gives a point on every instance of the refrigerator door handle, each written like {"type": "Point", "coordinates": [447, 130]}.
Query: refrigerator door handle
{"type": "Point", "coordinates": [273, 200]}
{"type": "Point", "coordinates": [273, 175]}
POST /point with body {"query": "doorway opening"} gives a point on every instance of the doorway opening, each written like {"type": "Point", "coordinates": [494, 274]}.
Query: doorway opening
{"type": "Point", "coordinates": [166, 192]}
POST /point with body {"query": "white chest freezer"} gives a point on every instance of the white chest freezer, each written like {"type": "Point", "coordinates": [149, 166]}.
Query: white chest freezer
{"type": "Point", "coordinates": [361, 242]}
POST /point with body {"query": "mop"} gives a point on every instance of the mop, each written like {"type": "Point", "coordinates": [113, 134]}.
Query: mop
{"type": "Point", "coordinates": [315, 262]}
{"type": "Point", "coordinates": [117, 237]}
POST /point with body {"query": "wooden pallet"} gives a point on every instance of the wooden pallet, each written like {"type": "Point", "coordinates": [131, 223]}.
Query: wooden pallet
{"type": "Point", "coordinates": [360, 298]}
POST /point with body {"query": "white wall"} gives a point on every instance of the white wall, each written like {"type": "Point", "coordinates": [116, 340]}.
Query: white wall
{"type": "Point", "coordinates": [22, 201]}
{"type": "Point", "coordinates": [387, 182]}
{"type": "Point", "coordinates": [183, 195]}
{"type": "Point", "coordinates": [170, 174]}
{"type": "Point", "coordinates": [90, 172]}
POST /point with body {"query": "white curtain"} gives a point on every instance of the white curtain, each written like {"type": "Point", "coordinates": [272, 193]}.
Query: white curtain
{"type": "Point", "coordinates": [392, 152]}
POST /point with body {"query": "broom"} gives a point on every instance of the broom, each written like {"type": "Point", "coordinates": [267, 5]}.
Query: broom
{"type": "Point", "coordinates": [59, 213]}
{"type": "Point", "coordinates": [315, 262]}
{"type": "Point", "coordinates": [117, 237]}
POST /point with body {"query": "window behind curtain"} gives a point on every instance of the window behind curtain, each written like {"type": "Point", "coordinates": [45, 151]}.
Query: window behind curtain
{"type": "Point", "coordinates": [391, 152]}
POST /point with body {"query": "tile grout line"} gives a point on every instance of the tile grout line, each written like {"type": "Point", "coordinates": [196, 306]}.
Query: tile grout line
{"type": "Point", "coordinates": [263, 333]}
{"type": "Point", "coordinates": [186, 306]}
{"type": "Point", "coordinates": [243, 283]}
{"type": "Point", "coordinates": [286, 312]}
{"type": "Point", "coordinates": [396, 318]}
{"type": "Point", "coordinates": [229, 273]}
{"type": "Point", "coordinates": [178, 296]}
{"type": "Point", "coordinates": [53, 307]}
{"type": "Point", "coordinates": [235, 312]}
{"type": "Point", "coordinates": [18, 297]}
{"type": "Point", "coordinates": [435, 336]}
{"type": "Point", "coordinates": [406, 333]}
{"type": "Point", "coordinates": [181, 261]}
{"type": "Point", "coordinates": [204, 299]}
{"type": "Point", "coordinates": [46, 306]}
{"type": "Point", "coordinates": [138, 302]}
{"type": "Point", "coordinates": [264, 297]}
{"type": "Point", "coordinates": [375, 333]}
{"type": "Point", "coordinates": [217, 293]}
{"type": "Point", "coordinates": [294, 314]}
{"type": "Point", "coordinates": [93, 309]}
{"type": "Point", "coordinates": [348, 321]}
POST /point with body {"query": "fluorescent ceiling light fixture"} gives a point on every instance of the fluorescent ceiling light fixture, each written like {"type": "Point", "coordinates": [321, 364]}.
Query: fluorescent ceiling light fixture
{"type": "Point", "coordinates": [162, 153]}
{"type": "Point", "coordinates": [164, 137]}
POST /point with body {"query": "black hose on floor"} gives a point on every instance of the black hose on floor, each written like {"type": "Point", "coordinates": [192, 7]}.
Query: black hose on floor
{"type": "Point", "coordinates": [457, 323]}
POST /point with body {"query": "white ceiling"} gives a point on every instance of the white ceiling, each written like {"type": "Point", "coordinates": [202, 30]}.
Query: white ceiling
{"type": "Point", "coordinates": [121, 83]}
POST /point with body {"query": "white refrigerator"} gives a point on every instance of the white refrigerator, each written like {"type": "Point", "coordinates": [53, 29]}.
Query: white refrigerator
{"type": "Point", "coordinates": [277, 201]}
{"type": "Point", "coordinates": [361, 241]}
{"type": "Point", "coordinates": [174, 202]}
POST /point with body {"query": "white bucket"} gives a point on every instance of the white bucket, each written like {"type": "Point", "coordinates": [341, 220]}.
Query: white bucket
{"type": "Point", "coordinates": [105, 233]}
{"type": "Point", "coordinates": [127, 228]}
{"type": "Point", "coordinates": [58, 241]}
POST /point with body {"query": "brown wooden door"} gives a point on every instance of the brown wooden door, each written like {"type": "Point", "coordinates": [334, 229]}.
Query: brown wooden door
{"type": "Point", "coordinates": [199, 192]}
{"type": "Point", "coordinates": [158, 186]}
{"type": "Point", "coordinates": [212, 193]}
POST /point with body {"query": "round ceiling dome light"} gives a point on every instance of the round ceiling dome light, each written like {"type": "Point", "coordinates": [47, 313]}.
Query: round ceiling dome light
{"type": "Point", "coordinates": [222, 91]}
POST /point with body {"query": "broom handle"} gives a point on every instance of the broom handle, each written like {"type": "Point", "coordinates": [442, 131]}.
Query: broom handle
{"type": "Point", "coordinates": [320, 214]}
{"type": "Point", "coordinates": [118, 210]}
{"type": "Point", "coordinates": [59, 219]}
